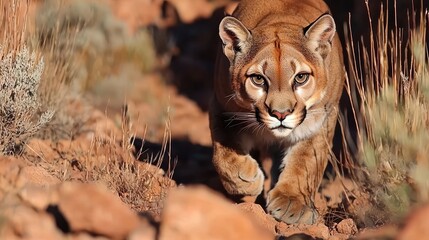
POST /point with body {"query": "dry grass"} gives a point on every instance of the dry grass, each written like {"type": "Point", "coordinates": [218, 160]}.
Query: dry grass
{"type": "Point", "coordinates": [22, 111]}
{"type": "Point", "coordinates": [143, 186]}
{"type": "Point", "coordinates": [13, 22]}
{"type": "Point", "coordinates": [389, 90]}
{"type": "Point", "coordinates": [67, 39]}
{"type": "Point", "coordinates": [52, 89]}
{"type": "Point", "coordinates": [20, 116]}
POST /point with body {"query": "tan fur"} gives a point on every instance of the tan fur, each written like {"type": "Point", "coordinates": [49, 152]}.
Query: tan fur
{"type": "Point", "coordinates": [278, 40]}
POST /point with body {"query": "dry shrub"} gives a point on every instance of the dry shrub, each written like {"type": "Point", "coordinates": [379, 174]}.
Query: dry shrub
{"type": "Point", "coordinates": [141, 186]}
{"type": "Point", "coordinates": [49, 94]}
{"type": "Point", "coordinates": [389, 89]}
{"type": "Point", "coordinates": [35, 81]}
{"type": "Point", "coordinates": [20, 116]}
{"type": "Point", "coordinates": [22, 112]}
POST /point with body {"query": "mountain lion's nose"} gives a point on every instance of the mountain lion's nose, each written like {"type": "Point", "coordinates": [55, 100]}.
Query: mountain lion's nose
{"type": "Point", "coordinates": [281, 115]}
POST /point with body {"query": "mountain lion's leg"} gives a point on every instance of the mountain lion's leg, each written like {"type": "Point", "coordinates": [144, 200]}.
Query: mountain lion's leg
{"type": "Point", "coordinates": [239, 172]}
{"type": "Point", "coordinates": [291, 199]}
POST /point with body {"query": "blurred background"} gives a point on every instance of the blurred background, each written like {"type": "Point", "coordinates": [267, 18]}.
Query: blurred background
{"type": "Point", "coordinates": [156, 57]}
{"type": "Point", "coordinates": [89, 75]}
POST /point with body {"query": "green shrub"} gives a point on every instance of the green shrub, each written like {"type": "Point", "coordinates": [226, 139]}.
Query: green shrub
{"type": "Point", "coordinates": [392, 86]}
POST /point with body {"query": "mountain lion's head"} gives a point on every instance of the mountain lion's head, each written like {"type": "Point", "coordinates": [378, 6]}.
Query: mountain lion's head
{"type": "Point", "coordinates": [279, 74]}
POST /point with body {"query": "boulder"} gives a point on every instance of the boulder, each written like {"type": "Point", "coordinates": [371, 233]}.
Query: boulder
{"type": "Point", "coordinates": [259, 214]}
{"type": "Point", "coordinates": [94, 209]}
{"type": "Point", "coordinates": [23, 222]}
{"type": "Point", "coordinates": [347, 226]}
{"type": "Point", "coordinates": [416, 225]}
{"type": "Point", "coordinates": [196, 213]}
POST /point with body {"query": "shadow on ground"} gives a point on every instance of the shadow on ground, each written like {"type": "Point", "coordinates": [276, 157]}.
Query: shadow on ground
{"type": "Point", "coordinates": [190, 163]}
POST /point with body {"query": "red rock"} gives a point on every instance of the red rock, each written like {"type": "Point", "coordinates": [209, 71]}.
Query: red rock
{"type": "Point", "coordinates": [384, 232]}
{"type": "Point", "coordinates": [99, 122]}
{"type": "Point", "coordinates": [85, 236]}
{"type": "Point", "coordinates": [185, 112]}
{"type": "Point", "coordinates": [125, 10]}
{"type": "Point", "coordinates": [259, 214]}
{"type": "Point", "coordinates": [38, 176]}
{"type": "Point", "coordinates": [339, 236]}
{"type": "Point", "coordinates": [149, 168]}
{"type": "Point", "coordinates": [41, 149]}
{"type": "Point", "coordinates": [92, 208]}
{"type": "Point", "coordinates": [16, 173]}
{"type": "Point", "coordinates": [416, 225]}
{"type": "Point", "coordinates": [10, 170]}
{"type": "Point", "coordinates": [317, 231]}
{"type": "Point", "coordinates": [38, 197]}
{"type": "Point", "coordinates": [22, 222]}
{"type": "Point", "coordinates": [197, 213]}
{"type": "Point", "coordinates": [347, 226]}
{"type": "Point", "coordinates": [190, 10]}
{"type": "Point", "coordinates": [144, 232]}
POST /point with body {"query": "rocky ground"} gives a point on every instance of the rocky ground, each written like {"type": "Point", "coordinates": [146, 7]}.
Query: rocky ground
{"type": "Point", "coordinates": [142, 170]}
{"type": "Point", "coordinates": [93, 186]}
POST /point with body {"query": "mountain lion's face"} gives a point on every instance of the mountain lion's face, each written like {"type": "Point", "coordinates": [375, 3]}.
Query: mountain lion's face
{"type": "Point", "coordinates": [283, 86]}
{"type": "Point", "coordinates": [279, 75]}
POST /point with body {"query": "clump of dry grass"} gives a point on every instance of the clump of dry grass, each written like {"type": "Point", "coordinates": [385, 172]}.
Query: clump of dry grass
{"type": "Point", "coordinates": [389, 89]}
{"type": "Point", "coordinates": [142, 186]}
{"type": "Point", "coordinates": [22, 113]}
{"type": "Point", "coordinates": [33, 87]}
{"type": "Point", "coordinates": [17, 38]}
{"type": "Point", "coordinates": [13, 24]}
{"type": "Point", "coordinates": [20, 116]}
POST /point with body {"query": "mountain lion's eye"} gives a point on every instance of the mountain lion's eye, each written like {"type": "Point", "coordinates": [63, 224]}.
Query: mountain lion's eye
{"type": "Point", "coordinates": [258, 80]}
{"type": "Point", "coordinates": [301, 78]}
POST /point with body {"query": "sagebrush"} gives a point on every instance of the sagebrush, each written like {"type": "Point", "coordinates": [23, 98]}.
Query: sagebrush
{"type": "Point", "coordinates": [20, 116]}
{"type": "Point", "coordinates": [389, 89]}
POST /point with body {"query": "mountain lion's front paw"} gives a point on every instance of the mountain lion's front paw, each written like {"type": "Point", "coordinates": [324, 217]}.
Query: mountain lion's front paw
{"type": "Point", "coordinates": [290, 209]}
{"type": "Point", "coordinates": [247, 180]}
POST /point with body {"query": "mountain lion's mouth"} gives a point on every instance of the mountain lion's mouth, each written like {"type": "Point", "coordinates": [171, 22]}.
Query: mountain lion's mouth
{"type": "Point", "coordinates": [281, 127]}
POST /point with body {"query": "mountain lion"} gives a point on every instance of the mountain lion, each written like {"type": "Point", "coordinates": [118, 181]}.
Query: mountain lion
{"type": "Point", "coordinates": [277, 89]}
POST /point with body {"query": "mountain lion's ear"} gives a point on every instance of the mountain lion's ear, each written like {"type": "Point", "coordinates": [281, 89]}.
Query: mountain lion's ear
{"type": "Point", "coordinates": [235, 37]}
{"type": "Point", "coordinates": [320, 34]}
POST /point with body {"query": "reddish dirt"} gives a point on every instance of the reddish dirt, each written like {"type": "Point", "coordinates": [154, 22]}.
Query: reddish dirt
{"type": "Point", "coordinates": [46, 164]}
{"type": "Point", "coordinates": [98, 184]}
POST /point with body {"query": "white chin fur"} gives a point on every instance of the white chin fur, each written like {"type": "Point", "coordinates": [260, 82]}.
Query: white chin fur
{"type": "Point", "coordinates": [281, 132]}
{"type": "Point", "coordinates": [307, 129]}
